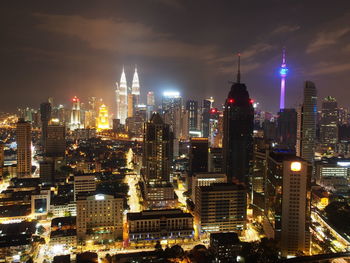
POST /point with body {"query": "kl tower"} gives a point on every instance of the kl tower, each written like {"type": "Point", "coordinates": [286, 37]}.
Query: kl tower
{"type": "Point", "coordinates": [283, 73]}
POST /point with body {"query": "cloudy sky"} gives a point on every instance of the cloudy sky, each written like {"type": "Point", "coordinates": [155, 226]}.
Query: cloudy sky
{"type": "Point", "coordinates": [67, 48]}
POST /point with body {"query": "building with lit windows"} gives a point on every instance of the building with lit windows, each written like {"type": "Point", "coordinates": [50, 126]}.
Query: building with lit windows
{"type": "Point", "coordinates": [84, 183]}
{"type": "Point", "coordinates": [103, 118]}
{"type": "Point", "coordinates": [221, 207]}
{"type": "Point", "coordinates": [329, 122]}
{"type": "Point", "coordinates": [166, 224]}
{"type": "Point", "coordinates": [75, 120]}
{"type": "Point", "coordinates": [2, 158]}
{"type": "Point", "coordinates": [56, 140]}
{"type": "Point", "coordinates": [24, 148]}
{"type": "Point", "coordinates": [122, 99]}
{"type": "Point", "coordinates": [198, 155]}
{"type": "Point", "coordinates": [306, 123]}
{"type": "Point", "coordinates": [99, 217]}
{"type": "Point", "coordinates": [135, 89]}
{"type": "Point", "coordinates": [287, 202]}
{"type": "Point", "coordinates": [45, 117]}
{"type": "Point", "coordinates": [205, 179]}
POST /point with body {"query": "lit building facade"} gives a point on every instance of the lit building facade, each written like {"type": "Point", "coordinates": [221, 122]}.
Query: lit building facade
{"type": "Point", "coordinates": [287, 202]}
{"type": "Point", "coordinates": [103, 118]}
{"type": "Point", "coordinates": [122, 99]}
{"type": "Point", "coordinates": [329, 122]}
{"type": "Point", "coordinates": [24, 148]}
{"type": "Point", "coordinates": [56, 140]}
{"type": "Point", "coordinates": [221, 207]}
{"type": "Point", "coordinates": [99, 217]}
{"type": "Point", "coordinates": [135, 89]}
{"type": "Point", "coordinates": [306, 123]}
{"type": "Point", "coordinates": [75, 121]}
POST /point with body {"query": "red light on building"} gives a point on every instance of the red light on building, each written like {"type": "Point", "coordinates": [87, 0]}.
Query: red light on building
{"type": "Point", "coordinates": [213, 110]}
{"type": "Point", "coordinates": [231, 101]}
{"type": "Point", "coordinates": [251, 101]}
{"type": "Point", "coordinates": [75, 99]}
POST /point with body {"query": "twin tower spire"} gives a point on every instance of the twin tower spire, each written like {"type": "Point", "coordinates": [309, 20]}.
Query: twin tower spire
{"type": "Point", "coordinates": [122, 95]}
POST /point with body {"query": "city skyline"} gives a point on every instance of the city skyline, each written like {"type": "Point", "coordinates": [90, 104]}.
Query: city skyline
{"type": "Point", "coordinates": [176, 57]}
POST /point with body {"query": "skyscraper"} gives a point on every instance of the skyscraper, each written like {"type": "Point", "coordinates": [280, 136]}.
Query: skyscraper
{"type": "Point", "coordinates": [157, 150]}
{"type": "Point", "coordinates": [75, 120]}
{"type": "Point", "coordinates": [192, 108]}
{"type": "Point", "coordinates": [306, 131]}
{"type": "Point", "coordinates": [122, 99]}
{"type": "Point", "coordinates": [172, 114]}
{"type": "Point", "coordinates": [45, 116]}
{"type": "Point", "coordinates": [329, 122]}
{"type": "Point", "coordinates": [283, 73]}
{"type": "Point", "coordinates": [103, 118]}
{"type": "Point", "coordinates": [150, 99]}
{"type": "Point", "coordinates": [287, 202]}
{"type": "Point", "coordinates": [198, 155]}
{"type": "Point", "coordinates": [205, 117]}
{"type": "Point", "coordinates": [56, 140]}
{"type": "Point", "coordinates": [287, 127]}
{"type": "Point", "coordinates": [238, 131]}
{"type": "Point", "coordinates": [24, 150]}
{"type": "Point", "coordinates": [135, 88]}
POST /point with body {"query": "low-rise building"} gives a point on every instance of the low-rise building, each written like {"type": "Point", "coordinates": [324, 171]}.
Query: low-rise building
{"type": "Point", "coordinates": [64, 231]}
{"type": "Point", "coordinates": [226, 246]}
{"type": "Point", "coordinates": [160, 224]}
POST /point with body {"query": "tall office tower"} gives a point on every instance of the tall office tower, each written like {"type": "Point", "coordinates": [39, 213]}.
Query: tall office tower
{"type": "Point", "coordinates": [45, 116]}
{"type": "Point", "coordinates": [329, 122]}
{"type": "Point", "coordinates": [99, 217]}
{"type": "Point", "coordinates": [221, 207]}
{"type": "Point", "coordinates": [306, 130]}
{"type": "Point", "coordinates": [287, 202]}
{"type": "Point", "coordinates": [172, 114]}
{"type": "Point", "coordinates": [103, 118]}
{"type": "Point", "coordinates": [283, 73]}
{"type": "Point", "coordinates": [24, 150]}
{"type": "Point", "coordinates": [287, 127]}
{"type": "Point", "coordinates": [343, 115]}
{"type": "Point", "coordinates": [135, 88]}
{"type": "Point", "coordinates": [2, 159]}
{"type": "Point", "coordinates": [214, 117]}
{"type": "Point", "coordinates": [198, 155]}
{"type": "Point", "coordinates": [205, 117]}
{"type": "Point", "coordinates": [156, 150]}
{"type": "Point", "coordinates": [238, 132]}
{"type": "Point", "coordinates": [192, 108]}
{"type": "Point", "coordinates": [75, 120]}
{"type": "Point", "coordinates": [150, 99]}
{"type": "Point", "coordinates": [122, 99]}
{"type": "Point", "coordinates": [56, 140]}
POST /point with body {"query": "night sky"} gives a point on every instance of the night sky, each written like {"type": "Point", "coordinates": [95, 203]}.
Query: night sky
{"type": "Point", "coordinates": [67, 48]}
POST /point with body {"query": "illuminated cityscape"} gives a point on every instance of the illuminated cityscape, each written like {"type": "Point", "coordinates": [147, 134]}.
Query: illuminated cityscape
{"type": "Point", "coordinates": [129, 132]}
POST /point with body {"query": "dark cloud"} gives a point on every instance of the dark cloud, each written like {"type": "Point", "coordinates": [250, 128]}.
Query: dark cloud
{"type": "Point", "coordinates": [61, 50]}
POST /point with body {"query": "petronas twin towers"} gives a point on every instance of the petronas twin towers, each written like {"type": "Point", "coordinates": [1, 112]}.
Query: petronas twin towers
{"type": "Point", "coordinates": [122, 95]}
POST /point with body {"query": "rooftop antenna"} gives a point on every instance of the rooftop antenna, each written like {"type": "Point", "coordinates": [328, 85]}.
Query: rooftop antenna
{"type": "Point", "coordinates": [239, 68]}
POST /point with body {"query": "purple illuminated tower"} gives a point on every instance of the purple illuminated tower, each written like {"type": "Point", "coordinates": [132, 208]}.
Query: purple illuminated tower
{"type": "Point", "coordinates": [283, 73]}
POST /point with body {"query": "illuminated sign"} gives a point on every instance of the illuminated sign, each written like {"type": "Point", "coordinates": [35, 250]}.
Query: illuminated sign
{"type": "Point", "coordinates": [171, 94]}
{"type": "Point", "coordinates": [343, 164]}
{"type": "Point", "coordinates": [99, 197]}
{"type": "Point", "coordinates": [295, 166]}
{"type": "Point", "coordinates": [283, 72]}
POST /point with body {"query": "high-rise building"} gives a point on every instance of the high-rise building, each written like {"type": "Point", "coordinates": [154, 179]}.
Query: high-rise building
{"type": "Point", "coordinates": [238, 132]}
{"type": "Point", "coordinates": [192, 108]}
{"type": "Point", "coordinates": [103, 118]}
{"type": "Point", "coordinates": [45, 116]}
{"type": "Point", "coordinates": [24, 150]}
{"type": "Point", "coordinates": [135, 88]}
{"type": "Point", "coordinates": [150, 99]}
{"type": "Point", "coordinates": [283, 73]}
{"type": "Point", "coordinates": [99, 217]}
{"type": "Point", "coordinates": [172, 114]}
{"type": "Point", "coordinates": [157, 150]}
{"type": "Point", "coordinates": [84, 183]}
{"type": "Point", "coordinates": [287, 127]}
{"type": "Point", "coordinates": [215, 128]}
{"type": "Point", "coordinates": [205, 117]}
{"type": "Point", "coordinates": [287, 202]}
{"type": "Point", "coordinates": [131, 105]}
{"type": "Point", "coordinates": [198, 155]}
{"type": "Point", "coordinates": [122, 99]}
{"type": "Point", "coordinates": [306, 124]}
{"type": "Point", "coordinates": [75, 120]}
{"type": "Point", "coordinates": [221, 207]}
{"type": "Point", "coordinates": [329, 122]}
{"type": "Point", "coordinates": [56, 140]}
